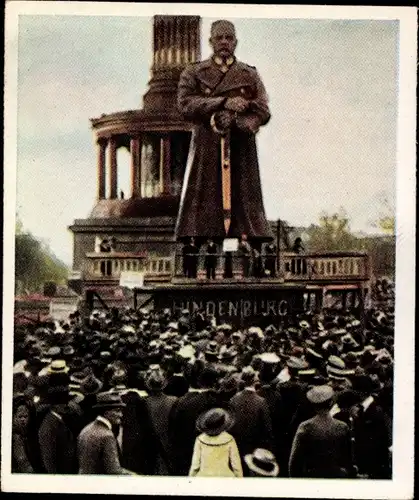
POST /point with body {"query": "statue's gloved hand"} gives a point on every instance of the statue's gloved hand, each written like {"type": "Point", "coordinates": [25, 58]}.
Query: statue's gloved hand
{"type": "Point", "coordinates": [221, 121]}
{"type": "Point", "coordinates": [237, 104]}
{"type": "Point", "coordinates": [248, 123]}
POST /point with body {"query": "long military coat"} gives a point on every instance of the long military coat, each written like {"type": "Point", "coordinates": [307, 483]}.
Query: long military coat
{"type": "Point", "coordinates": [203, 89]}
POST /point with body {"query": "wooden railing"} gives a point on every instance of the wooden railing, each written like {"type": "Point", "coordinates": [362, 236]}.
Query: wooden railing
{"type": "Point", "coordinates": [325, 266]}
{"type": "Point", "coordinates": [110, 265]}
{"type": "Point", "coordinates": [322, 267]}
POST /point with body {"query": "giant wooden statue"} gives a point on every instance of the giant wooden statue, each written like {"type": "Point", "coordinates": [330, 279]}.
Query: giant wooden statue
{"type": "Point", "coordinates": [227, 101]}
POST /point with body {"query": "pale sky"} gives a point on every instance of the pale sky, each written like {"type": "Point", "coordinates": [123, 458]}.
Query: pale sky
{"type": "Point", "coordinates": [331, 141]}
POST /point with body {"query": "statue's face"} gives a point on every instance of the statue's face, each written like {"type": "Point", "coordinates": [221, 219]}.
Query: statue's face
{"type": "Point", "coordinates": [223, 40]}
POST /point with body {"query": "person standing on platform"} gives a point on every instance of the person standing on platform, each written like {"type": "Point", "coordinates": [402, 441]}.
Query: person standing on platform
{"type": "Point", "coordinates": [211, 259]}
{"type": "Point", "coordinates": [222, 94]}
{"type": "Point", "coordinates": [190, 259]}
{"type": "Point", "coordinates": [270, 259]}
{"type": "Point", "coordinates": [245, 252]}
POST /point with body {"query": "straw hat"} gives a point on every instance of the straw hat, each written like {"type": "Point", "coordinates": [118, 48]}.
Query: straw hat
{"type": "Point", "coordinates": [262, 462]}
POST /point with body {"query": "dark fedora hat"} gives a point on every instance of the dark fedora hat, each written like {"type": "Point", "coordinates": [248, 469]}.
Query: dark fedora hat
{"type": "Point", "coordinates": [68, 350]}
{"type": "Point", "coordinates": [227, 354]}
{"type": "Point", "coordinates": [90, 385]}
{"type": "Point", "coordinates": [262, 462]}
{"type": "Point", "coordinates": [214, 421]}
{"type": "Point", "coordinates": [58, 394]}
{"type": "Point", "coordinates": [109, 400]}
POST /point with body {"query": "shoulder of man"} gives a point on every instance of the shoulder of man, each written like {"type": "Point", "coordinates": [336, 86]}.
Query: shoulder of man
{"type": "Point", "coordinates": [197, 66]}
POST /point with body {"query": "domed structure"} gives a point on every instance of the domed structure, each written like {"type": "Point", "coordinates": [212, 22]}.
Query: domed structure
{"type": "Point", "coordinates": [142, 221]}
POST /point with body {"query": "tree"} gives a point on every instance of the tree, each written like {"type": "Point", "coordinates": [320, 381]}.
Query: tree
{"type": "Point", "coordinates": [386, 221]}
{"type": "Point", "coordinates": [332, 233]}
{"type": "Point", "coordinates": [35, 263]}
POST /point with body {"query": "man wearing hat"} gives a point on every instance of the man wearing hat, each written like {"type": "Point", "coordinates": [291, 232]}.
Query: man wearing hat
{"type": "Point", "coordinates": [269, 367]}
{"type": "Point", "coordinates": [372, 430]}
{"type": "Point", "coordinates": [97, 446]}
{"type": "Point", "coordinates": [253, 426]}
{"type": "Point", "coordinates": [292, 391]}
{"type": "Point", "coordinates": [56, 436]}
{"type": "Point", "coordinates": [159, 406]}
{"type": "Point", "coordinates": [321, 447]}
{"type": "Point", "coordinates": [183, 418]}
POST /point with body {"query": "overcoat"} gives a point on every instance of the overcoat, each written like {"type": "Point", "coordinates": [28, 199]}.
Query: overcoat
{"type": "Point", "coordinates": [321, 449]}
{"type": "Point", "coordinates": [182, 425]}
{"type": "Point", "coordinates": [98, 450]}
{"type": "Point", "coordinates": [216, 456]}
{"type": "Point", "coordinates": [159, 407]}
{"type": "Point", "coordinates": [57, 445]}
{"type": "Point", "coordinates": [372, 442]}
{"type": "Point", "coordinates": [203, 89]}
{"type": "Point", "coordinates": [253, 426]}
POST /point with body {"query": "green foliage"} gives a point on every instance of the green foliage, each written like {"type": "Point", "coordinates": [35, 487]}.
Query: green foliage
{"type": "Point", "coordinates": [332, 233]}
{"type": "Point", "coordinates": [35, 263]}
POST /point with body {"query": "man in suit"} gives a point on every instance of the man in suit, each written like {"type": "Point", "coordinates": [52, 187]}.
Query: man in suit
{"type": "Point", "coordinates": [220, 94]}
{"type": "Point", "coordinates": [270, 259]}
{"type": "Point", "coordinates": [97, 446]}
{"type": "Point", "coordinates": [56, 434]}
{"type": "Point", "coordinates": [182, 419]}
{"type": "Point", "coordinates": [322, 445]}
{"type": "Point", "coordinates": [211, 259]}
{"type": "Point", "coordinates": [292, 392]}
{"type": "Point", "coordinates": [190, 259]}
{"type": "Point", "coordinates": [253, 426]}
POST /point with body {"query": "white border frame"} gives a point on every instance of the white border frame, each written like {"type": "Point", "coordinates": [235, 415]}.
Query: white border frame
{"type": "Point", "coordinates": [403, 452]}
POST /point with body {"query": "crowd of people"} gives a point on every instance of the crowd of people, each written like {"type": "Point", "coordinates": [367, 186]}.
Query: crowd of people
{"type": "Point", "coordinates": [143, 392]}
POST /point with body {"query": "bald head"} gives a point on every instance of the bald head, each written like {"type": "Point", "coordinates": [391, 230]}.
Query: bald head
{"type": "Point", "coordinates": [223, 38]}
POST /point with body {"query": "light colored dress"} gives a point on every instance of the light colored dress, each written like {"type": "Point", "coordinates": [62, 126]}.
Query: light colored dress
{"type": "Point", "coordinates": [216, 456]}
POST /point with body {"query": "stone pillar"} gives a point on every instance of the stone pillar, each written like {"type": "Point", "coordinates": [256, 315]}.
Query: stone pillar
{"type": "Point", "coordinates": [178, 41]}
{"type": "Point", "coordinates": [165, 37]}
{"type": "Point", "coordinates": [101, 169]}
{"type": "Point", "coordinates": [113, 170]}
{"type": "Point", "coordinates": [166, 164]}
{"type": "Point", "coordinates": [135, 167]}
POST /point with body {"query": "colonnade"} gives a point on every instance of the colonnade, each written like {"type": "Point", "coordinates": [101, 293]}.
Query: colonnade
{"type": "Point", "coordinates": [176, 40]}
{"type": "Point", "coordinates": [107, 162]}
